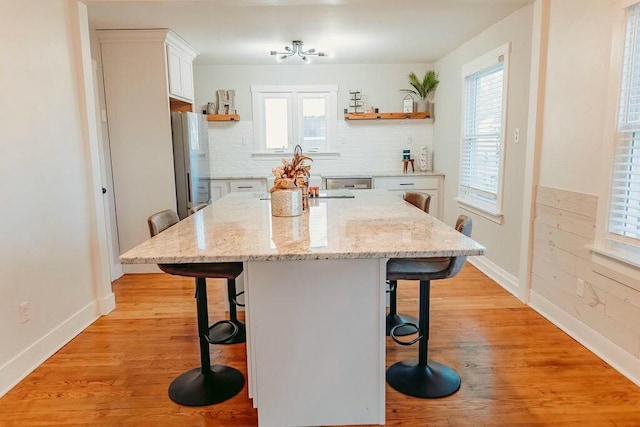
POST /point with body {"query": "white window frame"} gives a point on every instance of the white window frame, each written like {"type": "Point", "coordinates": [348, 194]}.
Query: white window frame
{"type": "Point", "coordinates": [491, 211]}
{"type": "Point", "coordinates": [609, 249]}
{"type": "Point", "coordinates": [294, 94]}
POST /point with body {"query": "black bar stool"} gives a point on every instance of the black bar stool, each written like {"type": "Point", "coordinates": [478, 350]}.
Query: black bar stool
{"type": "Point", "coordinates": [395, 319]}
{"type": "Point", "coordinates": [207, 384]}
{"type": "Point", "coordinates": [420, 378]}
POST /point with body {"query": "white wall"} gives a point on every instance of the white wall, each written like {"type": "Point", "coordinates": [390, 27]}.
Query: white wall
{"type": "Point", "coordinates": [45, 238]}
{"type": "Point", "coordinates": [574, 169]}
{"type": "Point", "coordinates": [502, 241]}
{"type": "Point", "coordinates": [576, 85]}
{"type": "Point", "coordinates": [364, 146]}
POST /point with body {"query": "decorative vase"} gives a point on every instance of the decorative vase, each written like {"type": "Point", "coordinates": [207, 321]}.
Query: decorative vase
{"type": "Point", "coordinates": [422, 105]}
{"type": "Point", "coordinates": [286, 199]}
{"type": "Point", "coordinates": [426, 159]}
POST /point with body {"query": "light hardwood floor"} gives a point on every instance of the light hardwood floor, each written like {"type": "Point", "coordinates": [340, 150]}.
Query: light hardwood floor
{"type": "Point", "coordinates": [516, 367]}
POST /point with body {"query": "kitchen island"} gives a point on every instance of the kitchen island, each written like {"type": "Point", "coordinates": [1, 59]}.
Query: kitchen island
{"type": "Point", "coordinates": [315, 294]}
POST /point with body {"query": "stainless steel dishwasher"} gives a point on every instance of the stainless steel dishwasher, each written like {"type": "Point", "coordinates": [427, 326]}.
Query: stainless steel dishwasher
{"type": "Point", "coordinates": [353, 183]}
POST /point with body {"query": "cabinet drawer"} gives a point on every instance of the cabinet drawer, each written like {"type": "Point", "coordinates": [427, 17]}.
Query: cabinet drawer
{"type": "Point", "coordinates": [406, 183]}
{"type": "Point", "coordinates": [247, 185]}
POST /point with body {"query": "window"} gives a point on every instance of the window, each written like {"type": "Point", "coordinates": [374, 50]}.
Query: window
{"type": "Point", "coordinates": [624, 206]}
{"type": "Point", "coordinates": [483, 129]}
{"type": "Point", "coordinates": [285, 116]}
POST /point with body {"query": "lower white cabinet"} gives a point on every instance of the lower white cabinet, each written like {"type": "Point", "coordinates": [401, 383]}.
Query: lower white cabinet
{"type": "Point", "coordinates": [432, 185]}
{"type": "Point", "coordinates": [221, 187]}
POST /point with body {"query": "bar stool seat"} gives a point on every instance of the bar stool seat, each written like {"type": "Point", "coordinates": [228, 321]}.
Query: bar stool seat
{"type": "Point", "coordinates": [421, 378]}
{"type": "Point", "coordinates": [207, 384]}
{"type": "Point", "coordinates": [421, 201]}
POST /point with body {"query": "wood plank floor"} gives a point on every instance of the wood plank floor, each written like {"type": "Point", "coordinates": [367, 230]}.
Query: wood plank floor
{"type": "Point", "coordinates": [516, 367]}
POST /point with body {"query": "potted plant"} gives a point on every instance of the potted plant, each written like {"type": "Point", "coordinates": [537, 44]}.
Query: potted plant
{"type": "Point", "coordinates": [424, 88]}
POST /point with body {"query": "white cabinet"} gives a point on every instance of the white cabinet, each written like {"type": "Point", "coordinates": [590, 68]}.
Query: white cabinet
{"type": "Point", "coordinates": [248, 185]}
{"type": "Point", "coordinates": [221, 187]}
{"type": "Point", "coordinates": [431, 185]}
{"type": "Point", "coordinates": [180, 69]}
{"type": "Point", "coordinates": [137, 98]}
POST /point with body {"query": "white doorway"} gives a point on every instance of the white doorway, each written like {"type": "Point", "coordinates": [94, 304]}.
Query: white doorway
{"type": "Point", "coordinates": [115, 267]}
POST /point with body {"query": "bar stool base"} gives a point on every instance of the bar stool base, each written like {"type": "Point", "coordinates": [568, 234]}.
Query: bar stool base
{"type": "Point", "coordinates": [220, 332]}
{"type": "Point", "coordinates": [428, 382]}
{"type": "Point", "coordinates": [193, 388]}
{"type": "Point", "coordinates": [394, 320]}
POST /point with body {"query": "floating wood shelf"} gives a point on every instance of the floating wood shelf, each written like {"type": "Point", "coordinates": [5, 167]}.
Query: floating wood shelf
{"type": "Point", "coordinates": [387, 116]}
{"type": "Point", "coordinates": [223, 117]}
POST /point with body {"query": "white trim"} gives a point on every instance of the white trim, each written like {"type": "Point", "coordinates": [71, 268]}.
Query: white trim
{"type": "Point", "coordinates": [610, 116]}
{"type": "Point", "coordinates": [107, 304]}
{"type": "Point", "coordinates": [293, 93]}
{"type": "Point", "coordinates": [533, 141]}
{"type": "Point", "coordinates": [618, 260]}
{"type": "Point", "coordinates": [616, 357]}
{"type": "Point", "coordinates": [98, 219]}
{"type": "Point", "coordinates": [270, 155]}
{"type": "Point", "coordinates": [16, 369]}
{"type": "Point", "coordinates": [497, 217]}
{"type": "Point", "coordinates": [487, 60]}
{"type": "Point", "coordinates": [502, 277]}
{"type": "Point", "coordinates": [292, 88]}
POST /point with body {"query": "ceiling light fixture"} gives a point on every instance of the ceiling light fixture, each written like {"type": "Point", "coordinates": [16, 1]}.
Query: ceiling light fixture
{"type": "Point", "coordinates": [296, 49]}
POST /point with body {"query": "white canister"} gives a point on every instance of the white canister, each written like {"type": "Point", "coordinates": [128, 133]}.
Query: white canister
{"type": "Point", "coordinates": [286, 202]}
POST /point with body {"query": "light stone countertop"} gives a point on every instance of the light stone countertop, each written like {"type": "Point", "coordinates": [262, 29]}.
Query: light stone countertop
{"type": "Point", "coordinates": [239, 227]}
{"type": "Point", "coordinates": [337, 175]}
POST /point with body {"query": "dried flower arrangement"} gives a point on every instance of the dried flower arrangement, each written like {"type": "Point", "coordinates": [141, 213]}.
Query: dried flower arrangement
{"type": "Point", "coordinates": [286, 175]}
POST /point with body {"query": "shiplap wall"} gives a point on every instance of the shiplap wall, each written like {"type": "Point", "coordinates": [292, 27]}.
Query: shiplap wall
{"type": "Point", "coordinates": [565, 222]}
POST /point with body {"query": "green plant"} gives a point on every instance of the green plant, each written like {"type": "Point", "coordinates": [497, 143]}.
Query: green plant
{"type": "Point", "coordinates": [423, 88]}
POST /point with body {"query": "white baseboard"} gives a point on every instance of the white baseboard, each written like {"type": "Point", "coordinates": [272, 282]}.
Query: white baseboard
{"type": "Point", "coordinates": [619, 359]}
{"type": "Point", "coordinates": [107, 304]}
{"type": "Point", "coordinates": [140, 268]}
{"type": "Point", "coordinates": [496, 273]}
{"type": "Point", "coordinates": [116, 272]}
{"type": "Point", "coordinates": [16, 369]}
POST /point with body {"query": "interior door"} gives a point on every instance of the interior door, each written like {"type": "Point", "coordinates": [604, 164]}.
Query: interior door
{"type": "Point", "coordinates": [115, 268]}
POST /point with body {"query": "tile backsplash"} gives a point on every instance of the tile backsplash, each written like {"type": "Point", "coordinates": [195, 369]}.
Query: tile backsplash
{"type": "Point", "coordinates": [363, 147]}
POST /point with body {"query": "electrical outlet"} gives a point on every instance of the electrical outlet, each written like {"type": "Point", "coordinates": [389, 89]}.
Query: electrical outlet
{"type": "Point", "coordinates": [516, 136]}
{"type": "Point", "coordinates": [580, 287]}
{"type": "Point", "coordinates": [24, 312]}
{"type": "Point", "coordinates": [410, 141]}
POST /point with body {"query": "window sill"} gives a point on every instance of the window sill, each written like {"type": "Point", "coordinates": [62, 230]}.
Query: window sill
{"type": "Point", "coordinates": [617, 259]}
{"type": "Point", "coordinates": [496, 217]}
{"type": "Point", "coordinates": [270, 155]}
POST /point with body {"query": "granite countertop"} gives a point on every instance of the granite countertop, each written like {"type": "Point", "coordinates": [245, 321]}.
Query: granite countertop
{"type": "Point", "coordinates": [221, 177]}
{"type": "Point", "coordinates": [380, 174]}
{"type": "Point", "coordinates": [337, 175]}
{"type": "Point", "coordinates": [239, 227]}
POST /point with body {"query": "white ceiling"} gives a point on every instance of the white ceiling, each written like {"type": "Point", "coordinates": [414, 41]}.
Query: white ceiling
{"type": "Point", "coordinates": [354, 31]}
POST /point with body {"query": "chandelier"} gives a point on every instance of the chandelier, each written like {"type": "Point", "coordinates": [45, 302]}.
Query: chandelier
{"type": "Point", "coordinates": [296, 49]}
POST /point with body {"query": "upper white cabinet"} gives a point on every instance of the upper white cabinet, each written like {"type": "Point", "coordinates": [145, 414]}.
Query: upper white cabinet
{"type": "Point", "coordinates": [135, 67]}
{"type": "Point", "coordinates": [180, 67]}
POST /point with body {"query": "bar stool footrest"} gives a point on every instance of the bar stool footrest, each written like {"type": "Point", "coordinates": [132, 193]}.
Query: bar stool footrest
{"type": "Point", "coordinates": [222, 332]}
{"type": "Point", "coordinates": [415, 329]}
{"type": "Point", "coordinates": [195, 388]}
{"type": "Point", "coordinates": [400, 319]}
{"type": "Point", "coordinates": [428, 382]}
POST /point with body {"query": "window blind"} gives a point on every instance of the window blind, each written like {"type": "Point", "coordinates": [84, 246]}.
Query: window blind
{"type": "Point", "coordinates": [482, 135]}
{"type": "Point", "coordinates": [624, 206]}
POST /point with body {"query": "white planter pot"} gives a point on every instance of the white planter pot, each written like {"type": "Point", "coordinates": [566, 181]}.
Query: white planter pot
{"type": "Point", "coordinates": [422, 105]}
